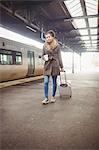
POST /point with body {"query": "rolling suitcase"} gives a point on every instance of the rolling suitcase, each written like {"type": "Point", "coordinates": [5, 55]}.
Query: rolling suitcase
{"type": "Point", "coordinates": [64, 86]}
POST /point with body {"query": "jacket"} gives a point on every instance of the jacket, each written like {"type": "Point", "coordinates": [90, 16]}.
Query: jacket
{"type": "Point", "coordinates": [54, 63]}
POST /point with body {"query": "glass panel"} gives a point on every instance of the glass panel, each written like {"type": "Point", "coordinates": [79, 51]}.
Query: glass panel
{"type": "Point", "coordinates": [18, 53]}
{"type": "Point", "coordinates": [91, 49]}
{"type": "Point", "coordinates": [75, 9]}
{"type": "Point", "coordinates": [94, 37]}
{"type": "Point", "coordinates": [93, 31]}
{"type": "Point", "coordinates": [93, 22]}
{"type": "Point", "coordinates": [92, 7]}
{"type": "Point", "coordinates": [10, 57]}
{"type": "Point", "coordinates": [31, 62]}
{"type": "Point", "coordinates": [80, 23]}
{"type": "Point", "coordinates": [18, 59]}
{"type": "Point", "coordinates": [94, 41]}
{"type": "Point", "coordinates": [88, 45]}
{"type": "Point", "coordinates": [94, 44]}
{"type": "Point", "coordinates": [0, 58]}
{"type": "Point", "coordinates": [73, 6]}
{"type": "Point", "coordinates": [6, 59]}
{"type": "Point", "coordinates": [83, 32]}
{"type": "Point", "coordinates": [85, 38]}
{"type": "Point", "coordinates": [87, 42]}
{"type": "Point", "coordinates": [91, 11]}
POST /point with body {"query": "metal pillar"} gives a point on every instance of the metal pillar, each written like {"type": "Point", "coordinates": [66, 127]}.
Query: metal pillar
{"type": "Point", "coordinates": [73, 62]}
{"type": "Point", "coordinates": [80, 61]}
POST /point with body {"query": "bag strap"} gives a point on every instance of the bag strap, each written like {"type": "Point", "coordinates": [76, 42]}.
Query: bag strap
{"type": "Point", "coordinates": [64, 77]}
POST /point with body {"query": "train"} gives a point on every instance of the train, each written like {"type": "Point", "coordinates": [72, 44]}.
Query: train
{"type": "Point", "coordinates": [19, 60]}
{"type": "Point", "coordinates": [20, 57]}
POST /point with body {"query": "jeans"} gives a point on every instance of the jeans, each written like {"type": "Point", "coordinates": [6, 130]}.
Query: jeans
{"type": "Point", "coordinates": [46, 85]}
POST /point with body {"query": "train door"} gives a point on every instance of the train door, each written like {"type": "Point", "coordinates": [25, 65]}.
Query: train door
{"type": "Point", "coordinates": [31, 63]}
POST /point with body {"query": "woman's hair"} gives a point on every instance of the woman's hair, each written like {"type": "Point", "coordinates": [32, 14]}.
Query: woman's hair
{"type": "Point", "coordinates": [51, 32]}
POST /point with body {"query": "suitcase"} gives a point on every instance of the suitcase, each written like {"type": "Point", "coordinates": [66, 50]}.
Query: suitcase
{"type": "Point", "coordinates": [64, 86]}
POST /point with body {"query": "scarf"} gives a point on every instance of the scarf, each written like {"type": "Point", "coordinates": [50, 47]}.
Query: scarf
{"type": "Point", "coordinates": [51, 46]}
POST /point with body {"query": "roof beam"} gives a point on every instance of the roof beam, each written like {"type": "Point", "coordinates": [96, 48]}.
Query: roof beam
{"type": "Point", "coordinates": [15, 15]}
{"type": "Point", "coordinates": [57, 1]}
{"type": "Point", "coordinates": [45, 12]}
{"type": "Point", "coordinates": [62, 7]}
{"type": "Point", "coordinates": [86, 19]}
{"type": "Point", "coordinates": [78, 36]}
{"type": "Point", "coordinates": [87, 28]}
{"type": "Point", "coordinates": [72, 18]}
{"type": "Point", "coordinates": [82, 17]}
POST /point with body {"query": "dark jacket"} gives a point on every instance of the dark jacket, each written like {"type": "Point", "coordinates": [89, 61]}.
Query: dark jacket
{"type": "Point", "coordinates": [54, 63]}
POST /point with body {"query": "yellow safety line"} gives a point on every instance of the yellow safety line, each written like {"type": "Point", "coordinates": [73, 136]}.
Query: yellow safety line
{"type": "Point", "coordinates": [20, 81]}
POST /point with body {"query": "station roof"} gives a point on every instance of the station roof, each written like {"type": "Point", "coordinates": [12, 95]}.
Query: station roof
{"type": "Point", "coordinates": [76, 22]}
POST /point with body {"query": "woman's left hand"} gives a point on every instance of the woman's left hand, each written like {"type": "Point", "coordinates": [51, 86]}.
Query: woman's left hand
{"type": "Point", "coordinates": [62, 70]}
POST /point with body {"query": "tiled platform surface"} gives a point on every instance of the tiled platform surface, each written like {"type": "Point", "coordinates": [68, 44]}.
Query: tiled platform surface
{"type": "Point", "coordinates": [68, 124]}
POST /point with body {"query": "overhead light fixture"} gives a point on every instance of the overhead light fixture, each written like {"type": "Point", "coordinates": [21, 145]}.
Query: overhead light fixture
{"type": "Point", "coordinates": [31, 28]}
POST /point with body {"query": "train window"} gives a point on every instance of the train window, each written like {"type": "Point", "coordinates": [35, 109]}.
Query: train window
{"type": "Point", "coordinates": [18, 60]}
{"type": "Point", "coordinates": [6, 59]}
{"type": "Point", "coordinates": [9, 57]}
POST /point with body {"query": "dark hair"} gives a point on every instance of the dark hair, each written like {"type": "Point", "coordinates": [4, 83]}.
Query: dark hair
{"type": "Point", "coordinates": [51, 32]}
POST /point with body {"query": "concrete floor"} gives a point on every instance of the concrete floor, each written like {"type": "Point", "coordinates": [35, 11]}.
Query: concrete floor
{"type": "Point", "coordinates": [68, 124]}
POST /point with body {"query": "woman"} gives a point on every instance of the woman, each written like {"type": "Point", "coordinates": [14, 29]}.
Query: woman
{"type": "Point", "coordinates": [53, 64]}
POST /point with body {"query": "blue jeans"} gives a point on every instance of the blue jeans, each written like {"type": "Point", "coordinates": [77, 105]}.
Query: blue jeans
{"type": "Point", "coordinates": [46, 85]}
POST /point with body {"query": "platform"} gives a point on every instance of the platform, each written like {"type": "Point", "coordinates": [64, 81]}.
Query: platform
{"type": "Point", "coordinates": [67, 124]}
{"type": "Point", "coordinates": [19, 81]}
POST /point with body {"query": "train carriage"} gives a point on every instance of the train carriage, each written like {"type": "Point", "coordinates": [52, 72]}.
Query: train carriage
{"type": "Point", "coordinates": [18, 60]}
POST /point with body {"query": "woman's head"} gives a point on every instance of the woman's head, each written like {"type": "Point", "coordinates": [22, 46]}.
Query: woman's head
{"type": "Point", "coordinates": [49, 35]}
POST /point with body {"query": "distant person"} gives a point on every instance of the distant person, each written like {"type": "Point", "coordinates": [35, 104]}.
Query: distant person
{"type": "Point", "coordinates": [52, 65]}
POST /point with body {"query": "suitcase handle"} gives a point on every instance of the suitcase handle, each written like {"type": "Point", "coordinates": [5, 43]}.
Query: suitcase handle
{"type": "Point", "coordinates": [64, 76]}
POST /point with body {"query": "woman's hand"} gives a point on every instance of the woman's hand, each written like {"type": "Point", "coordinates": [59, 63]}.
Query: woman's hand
{"type": "Point", "coordinates": [62, 70]}
{"type": "Point", "coordinates": [45, 57]}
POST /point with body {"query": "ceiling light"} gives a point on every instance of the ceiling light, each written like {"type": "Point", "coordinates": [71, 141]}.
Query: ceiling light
{"type": "Point", "coordinates": [31, 29]}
